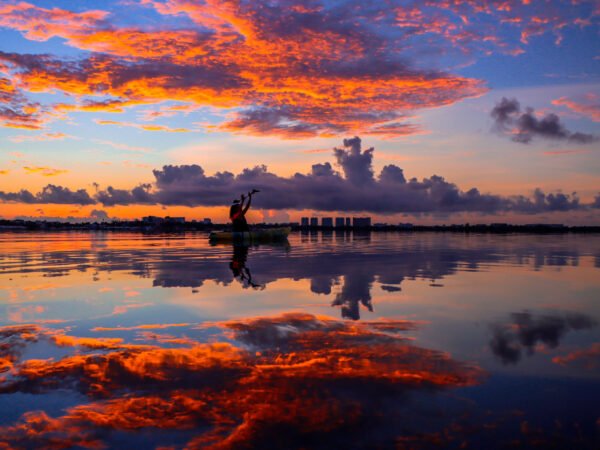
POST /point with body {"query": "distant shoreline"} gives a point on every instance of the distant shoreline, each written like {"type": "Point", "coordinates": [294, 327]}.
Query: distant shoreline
{"type": "Point", "coordinates": [141, 227]}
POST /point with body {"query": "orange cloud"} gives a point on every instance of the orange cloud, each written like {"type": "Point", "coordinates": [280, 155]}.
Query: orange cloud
{"type": "Point", "coordinates": [63, 340]}
{"type": "Point", "coordinates": [143, 126]}
{"type": "Point", "coordinates": [245, 61]}
{"type": "Point", "coordinates": [17, 111]}
{"type": "Point", "coordinates": [17, 314]}
{"type": "Point", "coordinates": [588, 357]}
{"type": "Point", "coordinates": [154, 326]}
{"type": "Point", "coordinates": [122, 309]}
{"type": "Point", "coordinates": [90, 105]}
{"type": "Point", "coordinates": [564, 152]}
{"type": "Point", "coordinates": [40, 137]}
{"type": "Point", "coordinates": [44, 171]}
{"type": "Point", "coordinates": [40, 24]}
{"type": "Point", "coordinates": [589, 107]}
{"type": "Point", "coordinates": [288, 70]}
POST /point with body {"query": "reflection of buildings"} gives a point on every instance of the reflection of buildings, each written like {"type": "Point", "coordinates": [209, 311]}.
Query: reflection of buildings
{"type": "Point", "coordinates": [340, 222]}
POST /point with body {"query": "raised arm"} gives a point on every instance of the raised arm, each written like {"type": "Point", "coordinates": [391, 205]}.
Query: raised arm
{"type": "Point", "coordinates": [247, 204]}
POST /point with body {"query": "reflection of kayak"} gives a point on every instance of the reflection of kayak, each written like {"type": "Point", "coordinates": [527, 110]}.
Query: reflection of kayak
{"type": "Point", "coordinates": [266, 235]}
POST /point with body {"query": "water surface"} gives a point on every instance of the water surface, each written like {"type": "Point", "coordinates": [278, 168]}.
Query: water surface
{"type": "Point", "coordinates": [334, 340]}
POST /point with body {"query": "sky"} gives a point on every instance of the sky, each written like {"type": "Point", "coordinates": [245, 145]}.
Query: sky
{"type": "Point", "coordinates": [427, 112]}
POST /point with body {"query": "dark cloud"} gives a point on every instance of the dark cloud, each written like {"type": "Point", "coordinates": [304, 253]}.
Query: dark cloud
{"type": "Point", "coordinates": [546, 202]}
{"type": "Point", "coordinates": [355, 187]}
{"type": "Point", "coordinates": [281, 121]}
{"type": "Point", "coordinates": [524, 127]}
{"type": "Point", "coordinates": [137, 195]}
{"type": "Point", "coordinates": [525, 331]}
{"type": "Point", "coordinates": [99, 214]}
{"type": "Point", "coordinates": [356, 164]}
{"type": "Point", "coordinates": [50, 194]}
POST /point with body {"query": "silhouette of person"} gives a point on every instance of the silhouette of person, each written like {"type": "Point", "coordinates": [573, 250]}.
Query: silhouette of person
{"type": "Point", "coordinates": [237, 212]}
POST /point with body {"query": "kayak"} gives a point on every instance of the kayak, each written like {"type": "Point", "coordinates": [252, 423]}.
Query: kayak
{"type": "Point", "coordinates": [266, 235]}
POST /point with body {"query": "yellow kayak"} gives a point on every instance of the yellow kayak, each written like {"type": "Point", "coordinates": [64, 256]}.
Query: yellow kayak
{"type": "Point", "coordinates": [266, 235]}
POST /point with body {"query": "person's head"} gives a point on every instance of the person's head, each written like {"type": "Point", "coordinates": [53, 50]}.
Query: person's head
{"type": "Point", "coordinates": [235, 207]}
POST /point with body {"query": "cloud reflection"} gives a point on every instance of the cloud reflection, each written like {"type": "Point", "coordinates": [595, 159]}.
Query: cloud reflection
{"type": "Point", "coordinates": [313, 377]}
{"type": "Point", "coordinates": [525, 331]}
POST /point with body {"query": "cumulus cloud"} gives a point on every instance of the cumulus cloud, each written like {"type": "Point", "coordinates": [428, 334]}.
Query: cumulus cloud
{"type": "Point", "coordinates": [354, 188]}
{"type": "Point", "coordinates": [349, 185]}
{"type": "Point", "coordinates": [99, 214]}
{"type": "Point", "coordinates": [49, 194]}
{"type": "Point", "coordinates": [525, 126]}
{"type": "Point", "coordinates": [138, 195]}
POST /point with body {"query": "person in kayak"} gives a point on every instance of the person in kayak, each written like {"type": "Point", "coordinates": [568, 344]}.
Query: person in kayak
{"type": "Point", "coordinates": [237, 212]}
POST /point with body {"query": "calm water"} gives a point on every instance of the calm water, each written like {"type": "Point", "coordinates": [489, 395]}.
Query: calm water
{"type": "Point", "coordinates": [334, 341]}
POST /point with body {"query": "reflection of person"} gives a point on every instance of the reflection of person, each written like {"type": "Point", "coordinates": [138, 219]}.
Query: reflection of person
{"type": "Point", "coordinates": [239, 269]}
{"type": "Point", "coordinates": [237, 212]}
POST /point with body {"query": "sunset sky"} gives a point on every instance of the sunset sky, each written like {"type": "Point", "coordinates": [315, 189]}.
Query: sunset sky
{"type": "Point", "coordinates": [172, 107]}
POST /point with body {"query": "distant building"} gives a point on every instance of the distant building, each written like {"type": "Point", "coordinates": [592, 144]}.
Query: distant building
{"type": "Point", "coordinates": [177, 220]}
{"type": "Point", "coordinates": [314, 222]}
{"type": "Point", "coordinates": [339, 222]}
{"type": "Point", "coordinates": [327, 222]}
{"type": "Point", "coordinates": [361, 222]}
{"type": "Point", "coordinates": [405, 226]}
{"type": "Point", "coordinates": [304, 222]}
{"type": "Point", "coordinates": [206, 221]}
{"type": "Point", "coordinates": [153, 220]}
{"type": "Point", "coordinates": [348, 222]}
